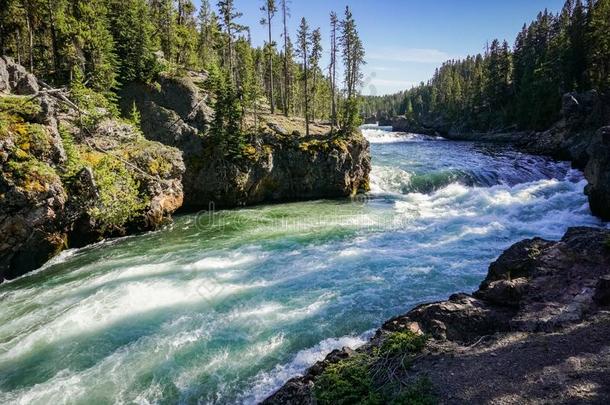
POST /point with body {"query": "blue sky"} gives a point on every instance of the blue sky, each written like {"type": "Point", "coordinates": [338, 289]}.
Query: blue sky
{"type": "Point", "coordinates": [406, 40]}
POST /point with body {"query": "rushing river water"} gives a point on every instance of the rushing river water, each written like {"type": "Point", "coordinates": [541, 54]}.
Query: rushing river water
{"type": "Point", "coordinates": [224, 308]}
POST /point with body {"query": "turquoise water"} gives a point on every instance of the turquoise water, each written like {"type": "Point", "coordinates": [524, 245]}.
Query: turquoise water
{"type": "Point", "coordinates": [224, 307]}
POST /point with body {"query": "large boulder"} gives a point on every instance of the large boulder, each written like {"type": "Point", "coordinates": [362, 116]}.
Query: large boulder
{"type": "Point", "coordinates": [4, 77]}
{"type": "Point", "coordinates": [597, 173]}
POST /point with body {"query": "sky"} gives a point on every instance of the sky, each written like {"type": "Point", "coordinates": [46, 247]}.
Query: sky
{"type": "Point", "coordinates": [406, 40]}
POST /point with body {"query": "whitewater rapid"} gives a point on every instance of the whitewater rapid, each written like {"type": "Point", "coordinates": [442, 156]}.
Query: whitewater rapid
{"type": "Point", "coordinates": [224, 308]}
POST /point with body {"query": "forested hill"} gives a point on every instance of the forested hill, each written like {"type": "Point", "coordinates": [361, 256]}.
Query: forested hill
{"type": "Point", "coordinates": [106, 44]}
{"type": "Point", "coordinates": [518, 87]}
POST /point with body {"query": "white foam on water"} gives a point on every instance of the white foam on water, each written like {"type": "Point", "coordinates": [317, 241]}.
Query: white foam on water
{"type": "Point", "coordinates": [383, 136]}
{"type": "Point", "coordinates": [384, 179]}
{"type": "Point", "coordinates": [108, 306]}
{"type": "Point", "coordinates": [265, 383]}
{"type": "Point", "coordinates": [220, 262]}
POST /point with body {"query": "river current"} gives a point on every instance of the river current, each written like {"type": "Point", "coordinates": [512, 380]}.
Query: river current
{"type": "Point", "coordinates": [224, 307]}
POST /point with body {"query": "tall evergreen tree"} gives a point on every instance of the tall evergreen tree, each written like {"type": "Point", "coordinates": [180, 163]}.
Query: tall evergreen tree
{"type": "Point", "coordinates": [269, 8]}
{"type": "Point", "coordinates": [131, 29]}
{"type": "Point", "coordinates": [334, 25]}
{"type": "Point", "coordinates": [303, 40]}
{"type": "Point", "coordinates": [228, 15]}
{"type": "Point", "coordinates": [353, 59]}
{"type": "Point", "coordinates": [287, 56]}
{"type": "Point", "coordinates": [314, 62]}
{"type": "Point", "coordinates": [599, 45]}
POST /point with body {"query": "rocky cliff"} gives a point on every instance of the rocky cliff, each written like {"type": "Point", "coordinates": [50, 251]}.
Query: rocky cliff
{"type": "Point", "coordinates": [580, 136]}
{"type": "Point", "coordinates": [64, 183]}
{"type": "Point", "coordinates": [534, 332]}
{"type": "Point", "coordinates": [278, 164]}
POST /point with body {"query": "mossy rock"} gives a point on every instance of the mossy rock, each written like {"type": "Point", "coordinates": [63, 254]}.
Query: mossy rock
{"type": "Point", "coordinates": [32, 175]}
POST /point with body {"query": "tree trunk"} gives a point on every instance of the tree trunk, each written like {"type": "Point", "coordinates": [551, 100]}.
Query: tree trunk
{"type": "Point", "coordinates": [333, 77]}
{"type": "Point", "coordinates": [30, 36]}
{"type": "Point", "coordinates": [54, 42]}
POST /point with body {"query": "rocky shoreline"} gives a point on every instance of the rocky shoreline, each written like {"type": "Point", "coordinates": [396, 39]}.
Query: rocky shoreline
{"type": "Point", "coordinates": [534, 332]}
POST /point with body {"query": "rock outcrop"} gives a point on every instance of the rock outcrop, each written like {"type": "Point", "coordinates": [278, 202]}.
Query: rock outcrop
{"type": "Point", "coordinates": [278, 163]}
{"type": "Point", "coordinates": [63, 185]}
{"type": "Point", "coordinates": [597, 173]}
{"type": "Point", "coordinates": [535, 331]}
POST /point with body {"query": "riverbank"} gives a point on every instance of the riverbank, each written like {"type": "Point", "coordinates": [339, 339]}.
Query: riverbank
{"type": "Point", "coordinates": [534, 332]}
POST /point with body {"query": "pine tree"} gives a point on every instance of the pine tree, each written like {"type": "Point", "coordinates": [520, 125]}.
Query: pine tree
{"type": "Point", "coordinates": [92, 43]}
{"type": "Point", "coordinates": [162, 17]}
{"type": "Point", "coordinates": [599, 45]}
{"type": "Point", "coordinates": [314, 62]}
{"type": "Point", "coordinates": [334, 22]}
{"type": "Point", "coordinates": [131, 29]}
{"type": "Point", "coordinates": [228, 16]}
{"type": "Point", "coordinates": [208, 34]}
{"type": "Point", "coordinates": [303, 40]}
{"type": "Point", "coordinates": [287, 57]}
{"type": "Point", "coordinates": [185, 34]}
{"type": "Point", "coordinates": [269, 9]}
{"type": "Point", "coordinates": [353, 59]}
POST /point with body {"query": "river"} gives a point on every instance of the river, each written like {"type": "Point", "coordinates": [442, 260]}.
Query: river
{"type": "Point", "coordinates": [223, 307]}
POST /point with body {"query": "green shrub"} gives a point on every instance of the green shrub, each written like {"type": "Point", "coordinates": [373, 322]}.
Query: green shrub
{"type": "Point", "coordinates": [74, 162]}
{"type": "Point", "coordinates": [347, 382]}
{"type": "Point", "coordinates": [24, 107]}
{"type": "Point", "coordinates": [119, 199]}
{"type": "Point", "coordinates": [352, 381]}
{"type": "Point", "coordinates": [402, 343]}
{"type": "Point", "coordinates": [95, 106]}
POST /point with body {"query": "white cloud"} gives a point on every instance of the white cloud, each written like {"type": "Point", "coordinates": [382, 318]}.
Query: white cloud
{"type": "Point", "coordinates": [417, 55]}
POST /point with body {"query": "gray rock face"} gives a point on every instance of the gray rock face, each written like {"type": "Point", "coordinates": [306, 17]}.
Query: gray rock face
{"type": "Point", "coordinates": [277, 166]}
{"type": "Point", "coordinates": [597, 173]}
{"type": "Point", "coordinates": [4, 77]}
